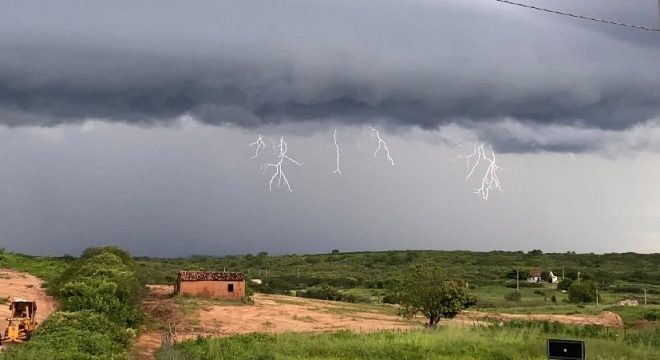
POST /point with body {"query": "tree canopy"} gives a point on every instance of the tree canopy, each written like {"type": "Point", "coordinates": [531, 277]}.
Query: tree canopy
{"type": "Point", "coordinates": [426, 290]}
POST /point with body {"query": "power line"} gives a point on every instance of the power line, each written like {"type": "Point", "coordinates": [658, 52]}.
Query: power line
{"type": "Point", "coordinates": [639, 27]}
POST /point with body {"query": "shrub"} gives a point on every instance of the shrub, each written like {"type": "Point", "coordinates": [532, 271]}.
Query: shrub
{"type": "Point", "coordinates": [326, 292]}
{"type": "Point", "coordinates": [514, 296]}
{"type": "Point", "coordinates": [582, 292]}
{"type": "Point", "coordinates": [100, 296]}
{"type": "Point", "coordinates": [565, 284]}
{"type": "Point", "coordinates": [75, 335]}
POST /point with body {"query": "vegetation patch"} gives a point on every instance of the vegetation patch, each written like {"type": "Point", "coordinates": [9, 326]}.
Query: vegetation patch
{"type": "Point", "coordinates": [100, 298]}
{"type": "Point", "coordinates": [442, 343]}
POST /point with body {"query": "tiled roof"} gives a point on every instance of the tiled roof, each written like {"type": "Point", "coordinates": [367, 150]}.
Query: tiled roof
{"type": "Point", "coordinates": [535, 273]}
{"type": "Point", "coordinates": [210, 276]}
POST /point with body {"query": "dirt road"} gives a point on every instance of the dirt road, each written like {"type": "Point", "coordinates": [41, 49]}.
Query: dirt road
{"type": "Point", "coordinates": [606, 318]}
{"type": "Point", "coordinates": [23, 285]}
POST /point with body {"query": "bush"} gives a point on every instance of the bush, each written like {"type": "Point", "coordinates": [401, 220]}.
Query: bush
{"type": "Point", "coordinates": [514, 296]}
{"type": "Point", "coordinates": [75, 335]}
{"type": "Point", "coordinates": [326, 292]}
{"type": "Point", "coordinates": [582, 292]}
{"type": "Point", "coordinates": [652, 315]}
{"type": "Point", "coordinates": [100, 295]}
{"type": "Point", "coordinates": [565, 284]}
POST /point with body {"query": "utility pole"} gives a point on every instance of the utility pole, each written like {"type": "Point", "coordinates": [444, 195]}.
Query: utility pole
{"type": "Point", "coordinates": [596, 297]}
{"type": "Point", "coordinates": [562, 267]}
{"type": "Point", "coordinates": [578, 279]}
{"type": "Point", "coordinates": [645, 289]}
{"type": "Point", "coordinates": [517, 281]}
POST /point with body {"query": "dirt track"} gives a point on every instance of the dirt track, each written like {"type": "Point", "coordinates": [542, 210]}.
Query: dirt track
{"type": "Point", "coordinates": [25, 286]}
{"type": "Point", "coordinates": [606, 318]}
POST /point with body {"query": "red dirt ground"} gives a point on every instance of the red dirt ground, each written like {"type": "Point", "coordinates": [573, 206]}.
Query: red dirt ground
{"type": "Point", "coordinates": [23, 285]}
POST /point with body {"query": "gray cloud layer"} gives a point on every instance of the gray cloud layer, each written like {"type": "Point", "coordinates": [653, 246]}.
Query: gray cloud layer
{"type": "Point", "coordinates": [251, 63]}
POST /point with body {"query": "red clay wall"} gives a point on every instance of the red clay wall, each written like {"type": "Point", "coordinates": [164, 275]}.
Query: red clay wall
{"type": "Point", "coordinates": [215, 289]}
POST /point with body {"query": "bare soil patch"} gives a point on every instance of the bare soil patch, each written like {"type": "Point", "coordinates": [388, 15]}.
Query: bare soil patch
{"type": "Point", "coordinates": [606, 318]}
{"type": "Point", "coordinates": [25, 286]}
{"type": "Point", "coordinates": [279, 313]}
{"type": "Point", "coordinates": [191, 317]}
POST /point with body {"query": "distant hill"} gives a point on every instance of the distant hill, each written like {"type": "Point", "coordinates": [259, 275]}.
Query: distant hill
{"type": "Point", "coordinates": [377, 269]}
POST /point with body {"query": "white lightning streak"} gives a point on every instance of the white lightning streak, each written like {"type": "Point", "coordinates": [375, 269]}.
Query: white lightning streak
{"type": "Point", "coordinates": [259, 144]}
{"type": "Point", "coordinates": [382, 144]}
{"type": "Point", "coordinates": [490, 181]}
{"type": "Point", "coordinates": [334, 137]}
{"type": "Point", "coordinates": [279, 172]}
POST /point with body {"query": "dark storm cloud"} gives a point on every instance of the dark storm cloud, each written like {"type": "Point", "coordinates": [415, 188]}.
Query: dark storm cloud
{"type": "Point", "coordinates": [251, 63]}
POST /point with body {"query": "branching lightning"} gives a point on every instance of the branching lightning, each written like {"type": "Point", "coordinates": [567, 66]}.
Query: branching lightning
{"type": "Point", "coordinates": [260, 144]}
{"type": "Point", "coordinates": [279, 171]}
{"type": "Point", "coordinates": [382, 144]}
{"type": "Point", "coordinates": [490, 181]}
{"type": "Point", "coordinates": [334, 137]}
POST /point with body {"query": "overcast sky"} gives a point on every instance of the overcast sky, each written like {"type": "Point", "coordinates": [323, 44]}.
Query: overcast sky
{"type": "Point", "coordinates": [129, 124]}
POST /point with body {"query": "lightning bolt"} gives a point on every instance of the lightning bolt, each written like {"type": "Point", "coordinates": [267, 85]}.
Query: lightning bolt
{"type": "Point", "coordinates": [260, 145]}
{"type": "Point", "coordinates": [334, 137]}
{"type": "Point", "coordinates": [490, 180]}
{"type": "Point", "coordinates": [382, 144]}
{"type": "Point", "coordinates": [279, 171]}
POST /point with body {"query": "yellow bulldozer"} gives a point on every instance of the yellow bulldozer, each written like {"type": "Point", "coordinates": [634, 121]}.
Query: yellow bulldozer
{"type": "Point", "coordinates": [22, 322]}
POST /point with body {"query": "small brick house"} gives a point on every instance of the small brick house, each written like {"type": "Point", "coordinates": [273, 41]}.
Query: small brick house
{"type": "Point", "coordinates": [215, 284]}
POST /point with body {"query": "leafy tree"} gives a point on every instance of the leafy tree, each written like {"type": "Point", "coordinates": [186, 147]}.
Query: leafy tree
{"type": "Point", "coordinates": [565, 284]}
{"type": "Point", "coordinates": [426, 290]}
{"type": "Point", "coordinates": [522, 274]}
{"type": "Point", "coordinates": [535, 252]}
{"type": "Point", "coordinates": [545, 276]}
{"type": "Point", "coordinates": [582, 292]}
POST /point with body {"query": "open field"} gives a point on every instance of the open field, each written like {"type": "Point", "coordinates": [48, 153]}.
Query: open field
{"type": "Point", "coordinates": [445, 343]}
{"type": "Point", "coordinates": [279, 314]}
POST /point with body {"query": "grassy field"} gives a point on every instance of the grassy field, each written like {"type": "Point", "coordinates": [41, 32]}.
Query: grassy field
{"type": "Point", "coordinates": [443, 343]}
{"type": "Point", "coordinates": [45, 267]}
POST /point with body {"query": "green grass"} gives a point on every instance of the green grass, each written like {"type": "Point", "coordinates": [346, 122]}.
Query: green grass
{"type": "Point", "coordinates": [443, 343]}
{"type": "Point", "coordinates": [633, 314]}
{"type": "Point", "coordinates": [44, 267]}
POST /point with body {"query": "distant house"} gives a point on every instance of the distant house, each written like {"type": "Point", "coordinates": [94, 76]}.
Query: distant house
{"type": "Point", "coordinates": [220, 285]}
{"type": "Point", "coordinates": [535, 277]}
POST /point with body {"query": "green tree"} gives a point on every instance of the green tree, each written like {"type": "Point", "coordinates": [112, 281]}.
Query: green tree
{"type": "Point", "coordinates": [565, 284]}
{"type": "Point", "coordinates": [545, 276]}
{"type": "Point", "coordinates": [582, 292]}
{"type": "Point", "coordinates": [426, 291]}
